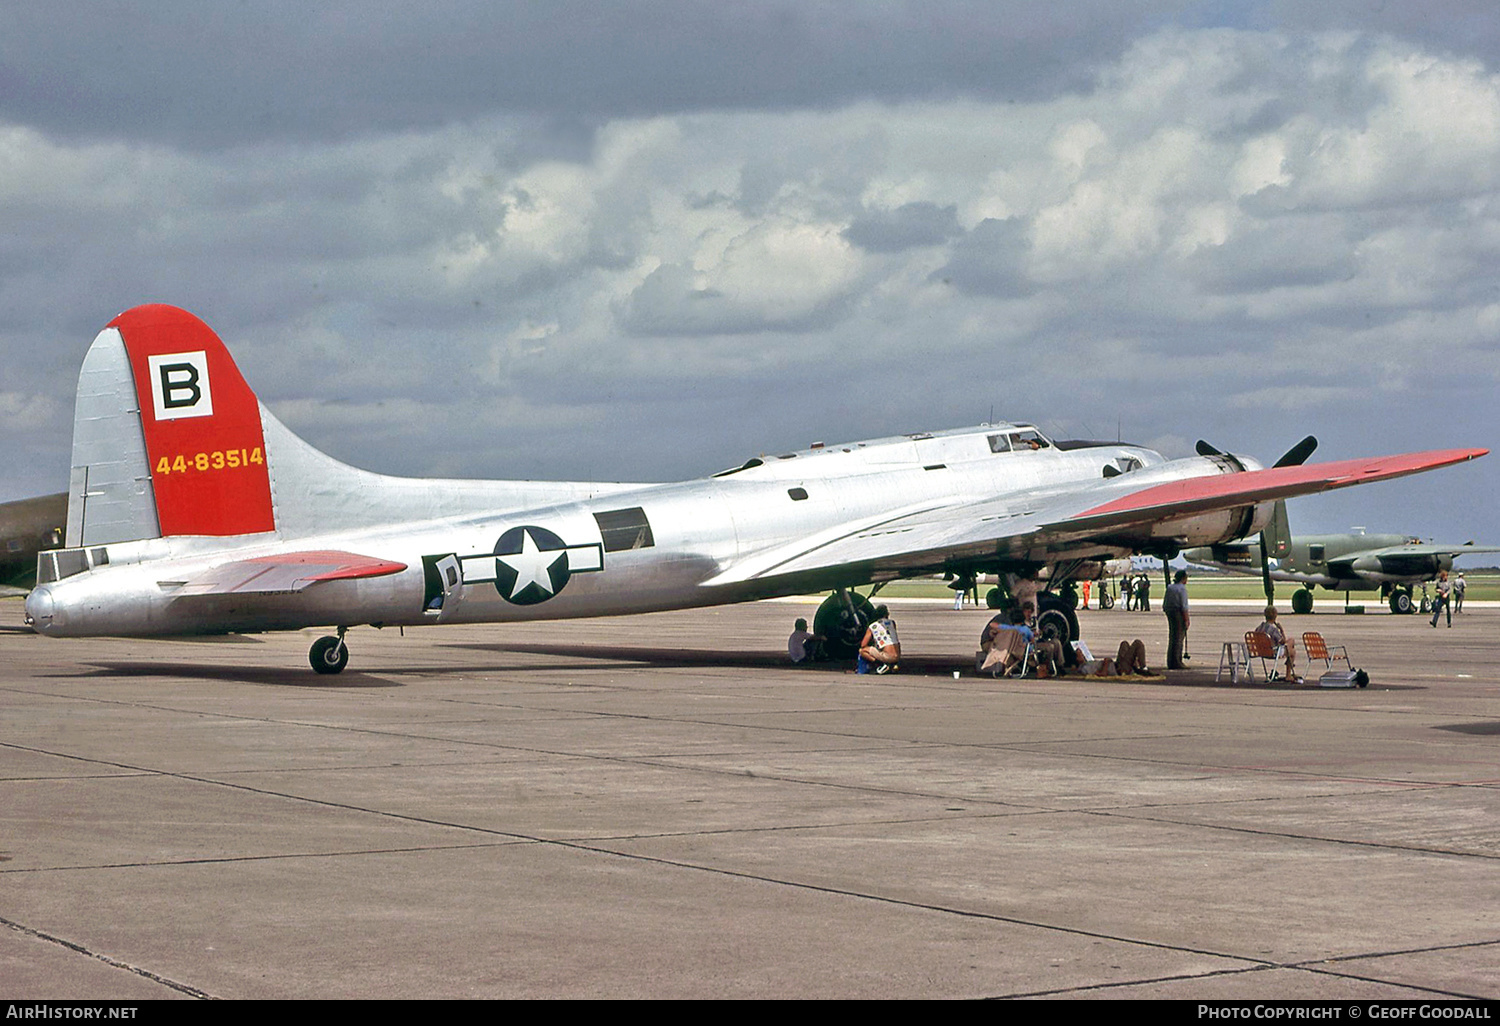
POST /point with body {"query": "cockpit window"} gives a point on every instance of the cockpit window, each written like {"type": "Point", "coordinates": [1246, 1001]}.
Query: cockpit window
{"type": "Point", "coordinates": [1028, 439]}
{"type": "Point", "coordinates": [999, 443]}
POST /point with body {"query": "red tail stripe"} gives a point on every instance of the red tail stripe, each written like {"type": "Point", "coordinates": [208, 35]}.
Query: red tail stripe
{"type": "Point", "coordinates": [202, 426]}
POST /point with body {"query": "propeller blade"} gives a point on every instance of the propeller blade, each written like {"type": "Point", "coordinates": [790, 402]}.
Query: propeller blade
{"type": "Point", "coordinates": [1298, 454]}
{"type": "Point", "coordinates": [1204, 449]}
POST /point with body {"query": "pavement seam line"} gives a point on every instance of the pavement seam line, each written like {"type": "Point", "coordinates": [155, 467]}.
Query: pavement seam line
{"type": "Point", "coordinates": [181, 988]}
{"type": "Point", "coordinates": [601, 850]}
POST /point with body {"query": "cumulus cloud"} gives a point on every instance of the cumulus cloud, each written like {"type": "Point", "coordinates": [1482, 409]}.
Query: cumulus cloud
{"type": "Point", "coordinates": [909, 225]}
{"type": "Point", "coordinates": [778, 275]}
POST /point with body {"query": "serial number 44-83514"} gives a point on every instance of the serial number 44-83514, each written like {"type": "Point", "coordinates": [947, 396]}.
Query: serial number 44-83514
{"type": "Point", "coordinates": [219, 459]}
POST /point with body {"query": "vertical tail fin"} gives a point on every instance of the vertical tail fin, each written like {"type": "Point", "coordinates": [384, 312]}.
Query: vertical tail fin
{"type": "Point", "coordinates": [167, 436]}
{"type": "Point", "coordinates": [1278, 533]}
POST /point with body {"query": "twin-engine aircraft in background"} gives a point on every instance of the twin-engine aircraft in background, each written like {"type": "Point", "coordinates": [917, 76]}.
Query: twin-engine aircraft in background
{"type": "Point", "coordinates": [1389, 563]}
{"type": "Point", "coordinates": [193, 510]}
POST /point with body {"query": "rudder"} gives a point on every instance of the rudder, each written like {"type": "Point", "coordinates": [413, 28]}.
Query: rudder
{"type": "Point", "coordinates": [167, 435]}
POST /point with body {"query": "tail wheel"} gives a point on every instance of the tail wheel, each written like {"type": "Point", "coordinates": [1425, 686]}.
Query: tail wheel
{"type": "Point", "coordinates": [1054, 619]}
{"type": "Point", "coordinates": [1302, 601]}
{"type": "Point", "coordinates": [329, 655]}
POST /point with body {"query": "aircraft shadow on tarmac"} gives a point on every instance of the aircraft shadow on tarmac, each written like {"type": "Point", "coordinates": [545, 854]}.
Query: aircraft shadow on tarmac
{"type": "Point", "coordinates": [1488, 729]}
{"type": "Point", "coordinates": [926, 665]}
{"type": "Point", "coordinates": [934, 666]}
{"type": "Point", "coordinates": [279, 676]}
{"type": "Point", "coordinates": [938, 665]}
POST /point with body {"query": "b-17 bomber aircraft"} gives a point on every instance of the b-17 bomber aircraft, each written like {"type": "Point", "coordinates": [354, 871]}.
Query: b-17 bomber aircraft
{"type": "Point", "coordinates": [193, 510]}
{"type": "Point", "coordinates": [1389, 563]}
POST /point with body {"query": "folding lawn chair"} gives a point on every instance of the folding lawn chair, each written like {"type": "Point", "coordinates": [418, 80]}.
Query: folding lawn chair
{"type": "Point", "coordinates": [1260, 646]}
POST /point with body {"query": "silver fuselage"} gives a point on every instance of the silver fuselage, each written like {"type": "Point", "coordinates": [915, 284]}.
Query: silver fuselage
{"type": "Point", "coordinates": [697, 529]}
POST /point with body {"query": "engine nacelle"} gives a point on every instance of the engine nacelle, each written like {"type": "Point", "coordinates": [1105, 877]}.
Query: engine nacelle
{"type": "Point", "coordinates": [1216, 528]}
{"type": "Point", "coordinates": [1245, 557]}
{"type": "Point", "coordinates": [1400, 566]}
{"type": "Point", "coordinates": [1219, 526]}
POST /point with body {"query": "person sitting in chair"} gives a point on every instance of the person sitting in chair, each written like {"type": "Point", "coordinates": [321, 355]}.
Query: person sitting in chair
{"type": "Point", "coordinates": [1271, 629]}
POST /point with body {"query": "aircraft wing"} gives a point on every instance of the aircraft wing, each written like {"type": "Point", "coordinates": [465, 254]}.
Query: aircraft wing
{"type": "Point", "coordinates": [1421, 549]}
{"type": "Point", "coordinates": [1110, 513]}
{"type": "Point", "coordinates": [1419, 560]}
{"type": "Point", "coordinates": [285, 573]}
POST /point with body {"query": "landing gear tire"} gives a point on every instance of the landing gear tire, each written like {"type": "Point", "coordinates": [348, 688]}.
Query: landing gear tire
{"type": "Point", "coordinates": [1302, 601]}
{"type": "Point", "coordinates": [1054, 619]}
{"type": "Point", "coordinates": [1401, 602]}
{"type": "Point", "coordinates": [329, 655]}
{"type": "Point", "coordinates": [843, 633]}
{"type": "Point", "coordinates": [1106, 600]}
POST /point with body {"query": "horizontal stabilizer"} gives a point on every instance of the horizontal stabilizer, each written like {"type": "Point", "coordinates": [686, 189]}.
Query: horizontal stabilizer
{"type": "Point", "coordinates": [286, 573]}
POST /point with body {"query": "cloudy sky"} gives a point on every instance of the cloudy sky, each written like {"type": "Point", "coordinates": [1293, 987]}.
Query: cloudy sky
{"type": "Point", "coordinates": [647, 240]}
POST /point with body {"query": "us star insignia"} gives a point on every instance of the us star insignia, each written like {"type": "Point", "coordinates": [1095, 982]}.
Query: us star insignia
{"type": "Point", "coordinates": [531, 564]}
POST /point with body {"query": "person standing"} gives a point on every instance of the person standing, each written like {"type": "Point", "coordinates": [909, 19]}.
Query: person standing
{"type": "Point", "coordinates": [1440, 603]}
{"type": "Point", "coordinates": [1175, 605]}
{"type": "Point", "coordinates": [1458, 593]}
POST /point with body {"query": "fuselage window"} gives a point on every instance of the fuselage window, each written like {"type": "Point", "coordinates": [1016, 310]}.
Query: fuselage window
{"type": "Point", "coordinates": [797, 494]}
{"type": "Point", "coordinates": [54, 566]}
{"type": "Point", "coordinates": [625, 529]}
{"type": "Point", "coordinates": [1315, 553]}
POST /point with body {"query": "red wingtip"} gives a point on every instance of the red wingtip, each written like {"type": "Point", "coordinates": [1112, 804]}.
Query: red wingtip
{"type": "Point", "coordinates": [1279, 482]}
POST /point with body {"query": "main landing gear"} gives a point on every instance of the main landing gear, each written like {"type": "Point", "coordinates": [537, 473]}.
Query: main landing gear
{"type": "Point", "coordinates": [841, 621]}
{"type": "Point", "coordinates": [1400, 597]}
{"type": "Point", "coordinates": [1055, 618]}
{"type": "Point", "coordinates": [329, 654]}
